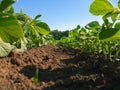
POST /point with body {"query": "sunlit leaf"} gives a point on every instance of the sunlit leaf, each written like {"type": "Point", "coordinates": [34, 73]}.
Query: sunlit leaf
{"type": "Point", "coordinates": [43, 28]}
{"type": "Point", "coordinates": [10, 30]}
{"type": "Point", "coordinates": [101, 7]}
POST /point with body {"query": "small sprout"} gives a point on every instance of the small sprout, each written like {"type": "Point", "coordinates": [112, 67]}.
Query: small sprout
{"type": "Point", "coordinates": [36, 77]}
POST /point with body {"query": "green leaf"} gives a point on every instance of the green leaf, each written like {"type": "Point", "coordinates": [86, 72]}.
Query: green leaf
{"type": "Point", "coordinates": [109, 34]}
{"type": "Point", "coordinates": [5, 4]}
{"type": "Point", "coordinates": [36, 77]}
{"type": "Point", "coordinates": [37, 28]}
{"type": "Point", "coordinates": [38, 16]}
{"type": "Point", "coordinates": [5, 48]}
{"type": "Point", "coordinates": [92, 25]}
{"type": "Point", "coordinates": [117, 25]}
{"type": "Point", "coordinates": [10, 30]}
{"type": "Point", "coordinates": [119, 4]}
{"type": "Point", "coordinates": [43, 28]}
{"type": "Point", "coordinates": [101, 7]}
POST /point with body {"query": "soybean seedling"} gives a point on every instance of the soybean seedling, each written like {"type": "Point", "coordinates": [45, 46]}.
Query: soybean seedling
{"type": "Point", "coordinates": [36, 77]}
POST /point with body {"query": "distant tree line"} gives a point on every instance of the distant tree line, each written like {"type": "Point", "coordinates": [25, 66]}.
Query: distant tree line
{"type": "Point", "coordinates": [57, 34]}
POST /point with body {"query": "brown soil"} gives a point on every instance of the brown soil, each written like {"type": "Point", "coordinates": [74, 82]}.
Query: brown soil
{"type": "Point", "coordinates": [59, 68]}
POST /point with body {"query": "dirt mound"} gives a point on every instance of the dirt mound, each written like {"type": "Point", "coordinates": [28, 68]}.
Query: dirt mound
{"type": "Point", "coordinates": [59, 68]}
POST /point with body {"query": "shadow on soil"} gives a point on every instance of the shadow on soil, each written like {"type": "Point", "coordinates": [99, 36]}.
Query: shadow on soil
{"type": "Point", "coordinates": [80, 73]}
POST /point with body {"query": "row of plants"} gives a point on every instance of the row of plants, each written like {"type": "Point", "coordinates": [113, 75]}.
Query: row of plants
{"type": "Point", "coordinates": [96, 38]}
{"type": "Point", "coordinates": [21, 32]}
{"type": "Point", "coordinates": [87, 40]}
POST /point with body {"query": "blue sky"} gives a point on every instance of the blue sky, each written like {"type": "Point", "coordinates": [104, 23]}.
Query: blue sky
{"type": "Point", "coordinates": [59, 14]}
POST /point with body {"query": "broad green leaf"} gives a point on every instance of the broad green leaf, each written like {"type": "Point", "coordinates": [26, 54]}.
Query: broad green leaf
{"type": "Point", "coordinates": [92, 25]}
{"type": "Point", "coordinates": [117, 25]}
{"type": "Point", "coordinates": [5, 48]}
{"type": "Point", "coordinates": [101, 7]}
{"type": "Point", "coordinates": [10, 30]}
{"type": "Point", "coordinates": [119, 4]}
{"type": "Point", "coordinates": [109, 34]}
{"type": "Point", "coordinates": [5, 4]}
{"type": "Point", "coordinates": [43, 28]}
